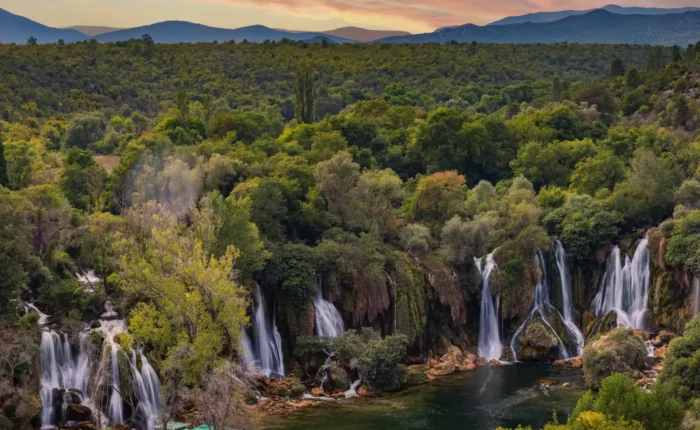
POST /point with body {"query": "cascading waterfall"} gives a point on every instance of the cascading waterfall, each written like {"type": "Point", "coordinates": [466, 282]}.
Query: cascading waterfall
{"type": "Point", "coordinates": [63, 372]}
{"type": "Point", "coordinates": [267, 355]}
{"type": "Point", "coordinates": [540, 306]}
{"type": "Point", "coordinates": [490, 346]}
{"type": "Point", "coordinates": [115, 410]}
{"type": "Point", "coordinates": [625, 288]}
{"type": "Point", "coordinates": [696, 296]}
{"type": "Point", "coordinates": [567, 299]}
{"type": "Point", "coordinates": [146, 388]}
{"type": "Point", "coordinates": [329, 323]}
{"type": "Point", "coordinates": [60, 370]}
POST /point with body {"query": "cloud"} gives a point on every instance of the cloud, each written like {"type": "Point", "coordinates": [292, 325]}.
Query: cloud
{"type": "Point", "coordinates": [430, 14]}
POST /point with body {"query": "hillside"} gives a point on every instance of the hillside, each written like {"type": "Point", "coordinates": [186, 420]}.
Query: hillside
{"type": "Point", "coordinates": [598, 26]}
{"type": "Point", "coordinates": [540, 17]}
{"type": "Point", "coordinates": [187, 32]}
{"type": "Point", "coordinates": [93, 30]}
{"type": "Point", "coordinates": [17, 29]}
{"type": "Point", "coordinates": [363, 34]}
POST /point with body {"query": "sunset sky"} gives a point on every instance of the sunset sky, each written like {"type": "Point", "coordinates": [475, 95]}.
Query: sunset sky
{"type": "Point", "coordinates": [416, 16]}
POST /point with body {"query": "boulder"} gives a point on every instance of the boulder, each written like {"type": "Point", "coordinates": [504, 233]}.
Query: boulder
{"type": "Point", "coordinates": [414, 375]}
{"type": "Point", "coordinates": [619, 351]}
{"type": "Point", "coordinates": [663, 338]}
{"type": "Point", "coordinates": [469, 367]}
{"type": "Point", "coordinates": [339, 377]}
{"type": "Point", "coordinates": [78, 413]}
{"type": "Point", "coordinates": [443, 369]}
{"type": "Point", "coordinates": [537, 343]}
{"type": "Point", "coordinates": [317, 392]}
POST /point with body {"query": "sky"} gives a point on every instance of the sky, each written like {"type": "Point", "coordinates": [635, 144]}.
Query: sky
{"type": "Point", "coordinates": [415, 16]}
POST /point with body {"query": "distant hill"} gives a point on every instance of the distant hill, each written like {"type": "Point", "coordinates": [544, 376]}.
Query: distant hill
{"type": "Point", "coordinates": [93, 30]}
{"type": "Point", "coordinates": [17, 29]}
{"type": "Point", "coordinates": [540, 17]}
{"type": "Point", "coordinates": [187, 32]}
{"type": "Point", "coordinates": [598, 26]}
{"type": "Point", "coordinates": [364, 35]}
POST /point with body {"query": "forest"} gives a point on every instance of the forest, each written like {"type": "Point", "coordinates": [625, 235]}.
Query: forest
{"type": "Point", "coordinates": [328, 216]}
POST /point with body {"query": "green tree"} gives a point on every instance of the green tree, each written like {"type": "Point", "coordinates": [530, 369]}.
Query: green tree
{"type": "Point", "coordinates": [192, 302]}
{"type": "Point", "coordinates": [676, 54]}
{"type": "Point", "coordinates": [617, 68]}
{"type": "Point", "coordinates": [85, 129]}
{"type": "Point", "coordinates": [82, 180]}
{"type": "Point", "coordinates": [31, 41]}
{"type": "Point", "coordinates": [4, 180]}
{"type": "Point", "coordinates": [182, 106]}
{"type": "Point", "coordinates": [305, 92]}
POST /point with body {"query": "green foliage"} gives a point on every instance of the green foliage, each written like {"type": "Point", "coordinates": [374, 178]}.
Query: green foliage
{"type": "Point", "coordinates": [85, 130]}
{"type": "Point", "coordinates": [681, 372]}
{"type": "Point", "coordinates": [292, 270]}
{"type": "Point", "coordinates": [684, 245]}
{"type": "Point", "coordinates": [620, 351]}
{"type": "Point", "coordinates": [305, 93]}
{"type": "Point", "coordinates": [584, 225]}
{"type": "Point", "coordinates": [4, 180]}
{"type": "Point", "coordinates": [82, 179]}
{"type": "Point", "coordinates": [619, 398]}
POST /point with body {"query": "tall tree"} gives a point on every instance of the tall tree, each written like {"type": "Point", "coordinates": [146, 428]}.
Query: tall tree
{"type": "Point", "coordinates": [676, 54]}
{"type": "Point", "coordinates": [182, 104]}
{"type": "Point", "coordinates": [305, 93]}
{"type": "Point", "coordinates": [617, 68]}
{"type": "Point", "coordinates": [4, 181]}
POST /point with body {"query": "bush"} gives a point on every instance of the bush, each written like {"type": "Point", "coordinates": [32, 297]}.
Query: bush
{"type": "Point", "coordinates": [620, 399]}
{"type": "Point", "coordinates": [681, 369]}
{"type": "Point", "coordinates": [620, 351]}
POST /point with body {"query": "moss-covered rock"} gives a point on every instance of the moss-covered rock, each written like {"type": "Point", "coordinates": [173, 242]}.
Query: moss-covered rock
{"type": "Point", "coordinates": [413, 376]}
{"type": "Point", "coordinates": [339, 377]}
{"type": "Point", "coordinates": [97, 338]}
{"type": "Point", "coordinates": [126, 382]}
{"type": "Point", "coordinates": [78, 413]}
{"type": "Point", "coordinates": [537, 343]}
{"type": "Point", "coordinates": [620, 351]}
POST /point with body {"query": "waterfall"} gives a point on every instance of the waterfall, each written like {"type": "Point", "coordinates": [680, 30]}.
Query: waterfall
{"type": "Point", "coordinates": [540, 306]}
{"type": "Point", "coordinates": [115, 410]}
{"type": "Point", "coordinates": [43, 318]}
{"type": "Point", "coordinates": [625, 288]}
{"type": "Point", "coordinates": [146, 388]}
{"type": "Point", "coordinates": [329, 323]}
{"type": "Point", "coordinates": [265, 354]}
{"type": "Point", "coordinates": [60, 370]}
{"type": "Point", "coordinates": [566, 294]}
{"type": "Point", "coordinates": [245, 355]}
{"type": "Point", "coordinates": [696, 296]}
{"type": "Point", "coordinates": [490, 346]}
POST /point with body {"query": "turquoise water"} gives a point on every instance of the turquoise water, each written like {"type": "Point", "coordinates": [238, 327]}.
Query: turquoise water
{"type": "Point", "coordinates": [486, 398]}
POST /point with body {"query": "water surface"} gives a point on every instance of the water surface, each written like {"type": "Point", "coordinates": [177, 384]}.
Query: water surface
{"type": "Point", "coordinates": [483, 399]}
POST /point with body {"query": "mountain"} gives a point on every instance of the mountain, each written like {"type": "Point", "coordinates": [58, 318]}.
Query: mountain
{"type": "Point", "coordinates": [598, 26]}
{"type": "Point", "coordinates": [93, 30]}
{"type": "Point", "coordinates": [187, 32]}
{"type": "Point", "coordinates": [363, 34]}
{"type": "Point", "coordinates": [540, 17]}
{"type": "Point", "coordinates": [17, 29]}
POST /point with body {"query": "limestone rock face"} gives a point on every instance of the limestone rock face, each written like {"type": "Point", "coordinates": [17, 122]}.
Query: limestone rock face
{"type": "Point", "coordinates": [537, 343]}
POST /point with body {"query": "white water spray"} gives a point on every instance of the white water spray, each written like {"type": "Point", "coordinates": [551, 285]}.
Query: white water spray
{"type": "Point", "coordinates": [490, 346]}
{"type": "Point", "coordinates": [625, 288]}
{"type": "Point", "coordinates": [329, 323]}
{"type": "Point", "coordinates": [540, 306]}
{"type": "Point", "coordinates": [265, 355]}
{"type": "Point", "coordinates": [567, 297]}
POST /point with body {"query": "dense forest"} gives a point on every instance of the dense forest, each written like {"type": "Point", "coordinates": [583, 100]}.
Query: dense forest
{"type": "Point", "coordinates": [196, 190]}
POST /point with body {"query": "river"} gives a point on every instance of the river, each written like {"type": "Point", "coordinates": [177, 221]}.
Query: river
{"type": "Point", "coordinates": [486, 398]}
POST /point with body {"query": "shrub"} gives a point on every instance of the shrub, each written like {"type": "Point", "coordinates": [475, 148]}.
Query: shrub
{"type": "Point", "coordinates": [620, 351]}
{"type": "Point", "coordinates": [681, 369]}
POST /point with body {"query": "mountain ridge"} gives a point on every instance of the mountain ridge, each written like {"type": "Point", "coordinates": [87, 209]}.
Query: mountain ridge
{"type": "Point", "coordinates": [597, 26]}
{"type": "Point", "coordinates": [542, 17]}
